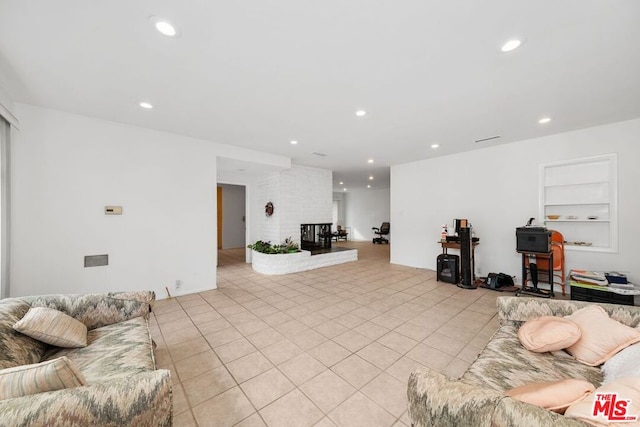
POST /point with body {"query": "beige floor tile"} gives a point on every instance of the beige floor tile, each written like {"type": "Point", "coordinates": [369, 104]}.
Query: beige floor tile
{"type": "Point", "coordinates": [177, 337]}
{"type": "Point", "coordinates": [291, 328]}
{"type": "Point", "coordinates": [251, 327]}
{"type": "Point", "coordinates": [397, 342]}
{"type": "Point", "coordinates": [267, 387]}
{"type": "Point", "coordinates": [199, 309]}
{"type": "Point", "coordinates": [313, 319]}
{"type": "Point", "coordinates": [213, 326]}
{"type": "Point", "coordinates": [301, 368]}
{"type": "Point", "coordinates": [249, 366]}
{"type": "Point", "coordinates": [349, 320]}
{"type": "Point", "coordinates": [388, 392]}
{"type": "Point", "coordinates": [429, 356]}
{"type": "Point", "coordinates": [329, 353]}
{"type": "Point", "coordinates": [371, 330]}
{"type": "Point", "coordinates": [184, 419]}
{"type": "Point", "coordinates": [379, 355]}
{"type": "Point", "coordinates": [308, 339]}
{"type": "Point", "coordinates": [291, 410]}
{"type": "Point", "coordinates": [265, 338]}
{"type": "Point", "coordinates": [205, 386]}
{"type": "Point", "coordinates": [234, 350]}
{"type": "Point", "coordinates": [180, 403]}
{"type": "Point", "coordinates": [359, 411]}
{"type": "Point", "coordinates": [352, 341]}
{"type": "Point", "coordinates": [222, 337]}
{"type": "Point", "coordinates": [188, 348]}
{"type": "Point", "coordinates": [331, 329]}
{"type": "Point", "coordinates": [403, 367]}
{"type": "Point", "coordinates": [175, 325]}
{"type": "Point", "coordinates": [197, 364]}
{"type": "Point", "coordinates": [252, 421]}
{"type": "Point", "coordinates": [224, 410]}
{"type": "Point", "coordinates": [356, 371]}
{"type": "Point", "coordinates": [278, 318]}
{"type": "Point", "coordinates": [352, 295]}
{"type": "Point", "coordinates": [444, 343]}
{"type": "Point", "coordinates": [281, 351]}
{"type": "Point", "coordinates": [415, 332]}
{"type": "Point", "coordinates": [327, 390]}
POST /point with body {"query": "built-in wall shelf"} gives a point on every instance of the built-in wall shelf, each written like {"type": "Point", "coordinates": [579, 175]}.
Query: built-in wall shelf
{"type": "Point", "coordinates": [577, 190]}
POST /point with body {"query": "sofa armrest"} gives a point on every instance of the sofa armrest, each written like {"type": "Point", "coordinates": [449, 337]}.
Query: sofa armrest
{"type": "Point", "coordinates": [436, 400]}
{"type": "Point", "coordinates": [141, 400]}
{"type": "Point", "coordinates": [517, 310]}
{"type": "Point", "coordinates": [97, 310]}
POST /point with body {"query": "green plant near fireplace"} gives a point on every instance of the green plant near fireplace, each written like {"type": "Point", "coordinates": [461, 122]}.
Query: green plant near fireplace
{"type": "Point", "coordinates": [286, 247]}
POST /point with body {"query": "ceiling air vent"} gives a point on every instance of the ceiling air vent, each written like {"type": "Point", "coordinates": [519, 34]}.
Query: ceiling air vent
{"type": "Point", "coordinates": [478, 141]}
{"type": "Point", "coordinates": [315, 153]}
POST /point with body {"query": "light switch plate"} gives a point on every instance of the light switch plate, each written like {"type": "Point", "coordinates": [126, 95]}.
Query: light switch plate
{"type": "Point", "coordinates": [113, 210]}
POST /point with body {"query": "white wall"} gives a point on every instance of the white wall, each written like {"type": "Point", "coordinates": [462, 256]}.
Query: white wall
{"type": "Point", "coordinates": [365, 209]}
{"type": "Point", "coordinates": [233, 216]}
{"type": "Point", "coordinates": [496, 188]}
{"type": "Point", "coordinates": [339, 197]}
{"type": "Point", "coordinates": [66, 168]}
{"type": "Point", "coordinates": [300, 195]}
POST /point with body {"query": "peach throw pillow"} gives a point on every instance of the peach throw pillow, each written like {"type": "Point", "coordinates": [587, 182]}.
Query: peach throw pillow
{"type": "Point", "coordinates": [602, 337]}
{"type": "Point", "coordinates": [548, 333]}
{"type": "Point", "coordinates": [555, 396]}
{"type": "Point", "coordinates": [625, 389]}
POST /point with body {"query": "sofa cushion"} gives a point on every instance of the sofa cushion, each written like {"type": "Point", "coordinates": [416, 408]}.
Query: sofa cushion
{"type": "Point", "coordinates": [114, 351]}
{"type": "Point", "coordinates": [548, 333]}
{"type": "Point", "coordinates": [52, 327]}
{"type": "Point", "coordinates": [602, 337]}
{"type": "Point", "coordinates": [15, 348]}
{"type": "Point", "coordinates": [505, 364]}
{"type": "Point", "coordinates": [555, 396]}
{"type": "Point", "coordinates": [56, 374]}
{"type": "Point", "coordinates": [623, 388]}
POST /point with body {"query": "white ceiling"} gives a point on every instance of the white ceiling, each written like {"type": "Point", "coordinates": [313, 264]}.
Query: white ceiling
{"type": "Point", "coordinates": [258, 73]}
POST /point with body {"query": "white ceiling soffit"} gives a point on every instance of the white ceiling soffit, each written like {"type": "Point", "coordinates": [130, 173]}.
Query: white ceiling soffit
{"type": "Point", "coordinates": [259, 74]}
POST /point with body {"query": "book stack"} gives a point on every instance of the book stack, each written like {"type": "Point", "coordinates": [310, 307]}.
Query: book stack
{"type": "Point", "coordinates": [589, 277]}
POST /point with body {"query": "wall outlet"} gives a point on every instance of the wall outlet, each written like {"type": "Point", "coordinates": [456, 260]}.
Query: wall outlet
{"type": "Point", "coordinates": [178, 284]}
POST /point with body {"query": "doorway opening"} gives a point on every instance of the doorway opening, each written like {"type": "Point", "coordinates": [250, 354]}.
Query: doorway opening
{"type": "Point", "coordinates": [231, 220]}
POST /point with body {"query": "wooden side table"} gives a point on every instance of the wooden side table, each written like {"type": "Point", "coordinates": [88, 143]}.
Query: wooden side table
{"type": "Point", "coordinates": [456, 245]}
{"type": "Point", "coordinates": [534, 290]}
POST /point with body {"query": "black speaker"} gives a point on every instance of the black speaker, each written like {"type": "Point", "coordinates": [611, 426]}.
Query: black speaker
{"type": "Point", "coordinates": [466, 261]}
{"type": "Point", "coordinates": [447, 268]}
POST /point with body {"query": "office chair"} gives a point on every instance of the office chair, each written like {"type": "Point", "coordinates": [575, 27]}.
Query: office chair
{"type": "Point", "coordinates": [383, 230]}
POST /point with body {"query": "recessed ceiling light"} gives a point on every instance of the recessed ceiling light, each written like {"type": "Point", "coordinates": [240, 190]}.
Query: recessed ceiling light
{"type": "Point", "coordinates": [164, 26]}
{"type": "Point", "coordinates": [344, 189]}
{"type": "Point", "coordinates": [435, 145]}
{"type": "Point", "coordinates": [370, 161]}
{"type": "Point", "coordinates": [371, 178]}
{"type": "Point", "coordinates": [368, 186]}
{"type": "Point", "coordinates": [341, 183]}
{"type": "Point", "coordinates": [544, 120]}
{"type": "Point", "coordinates": [361, 113]}
{"type": "Point", "coordinates": [511, 45]}
{"type": "Point", "coordinates": [293, 142]}
{"type": "Point", "coordinates": [146, 105]}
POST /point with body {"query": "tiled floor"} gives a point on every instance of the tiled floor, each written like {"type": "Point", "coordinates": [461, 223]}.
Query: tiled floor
{"type": "Point", "coordinates": [328, 347]}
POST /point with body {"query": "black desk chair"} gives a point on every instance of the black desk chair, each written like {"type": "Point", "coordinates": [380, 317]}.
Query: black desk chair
{"type": "Point", "coordinates": [383, 230]}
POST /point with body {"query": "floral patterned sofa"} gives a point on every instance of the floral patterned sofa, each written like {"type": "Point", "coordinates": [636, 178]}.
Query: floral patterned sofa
{"type": "Point", "coordinates": [123, 385]}
{"type": "Point", "coordinates": [477, 399]}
